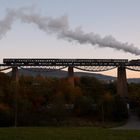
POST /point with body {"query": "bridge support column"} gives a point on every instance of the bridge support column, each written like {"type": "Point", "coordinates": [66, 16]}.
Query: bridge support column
{"type": "Point", "coordinates": [15, 76]}
{"type": "Point", "coordinates": [70, 72]}
{"type": "Point", "coordinates": [122, 82]}
{"type": "Point", "coordinates": [71, 75]}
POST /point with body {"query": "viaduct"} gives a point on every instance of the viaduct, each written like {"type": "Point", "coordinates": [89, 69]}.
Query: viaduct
{"type": "Point", "coordinates": [93, 65]}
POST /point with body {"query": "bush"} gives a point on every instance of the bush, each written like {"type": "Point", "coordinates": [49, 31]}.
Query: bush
{"type": "Point", "coordinates": [6, 118]}
{"type": "Point", "coordinates": [114, 109]}
{"type": "Point", "coordinates": [120, 111]}
{"type": "Point", "coordinates": [84, 106]}
{"type": "Point", "coordinates": [138, 111]}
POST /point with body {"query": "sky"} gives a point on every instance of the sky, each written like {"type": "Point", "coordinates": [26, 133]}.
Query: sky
{"type": "Point", "coordinates": [118, 18]}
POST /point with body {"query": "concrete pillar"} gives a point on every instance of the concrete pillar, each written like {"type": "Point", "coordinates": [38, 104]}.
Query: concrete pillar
{"type": "Point", "coordinates": [70, 72]}
{"type": "Point", "coordinates": [15, 75]}
{"type": "Point", "coordinates": [71, 75]}
{"type": "Point", "coordinates": [122, 89]}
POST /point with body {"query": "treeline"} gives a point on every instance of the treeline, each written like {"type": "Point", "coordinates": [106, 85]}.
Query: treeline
{"type": "Point", "coordinates": [43, 101]}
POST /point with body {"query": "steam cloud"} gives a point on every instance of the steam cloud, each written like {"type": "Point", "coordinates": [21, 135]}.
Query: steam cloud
{"type": "Point", "coordinates": [60, 27]}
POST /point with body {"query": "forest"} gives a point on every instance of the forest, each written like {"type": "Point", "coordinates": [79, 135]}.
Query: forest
{"type": "Point", "coordinates": [80, 101]}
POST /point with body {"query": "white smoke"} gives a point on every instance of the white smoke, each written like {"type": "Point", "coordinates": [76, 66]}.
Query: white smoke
{"type": "Point", "coordinates": [60, 27]}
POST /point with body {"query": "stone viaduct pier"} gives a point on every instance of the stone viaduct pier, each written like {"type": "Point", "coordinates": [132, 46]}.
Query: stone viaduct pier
{"type": "Point", "coordinates": [92, 65]}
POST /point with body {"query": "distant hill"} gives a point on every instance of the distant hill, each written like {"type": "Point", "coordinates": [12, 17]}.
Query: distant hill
{"type": "Point", "coordinates": [133, 80]}
{"type": "Point", "coordinates": [62, 73]}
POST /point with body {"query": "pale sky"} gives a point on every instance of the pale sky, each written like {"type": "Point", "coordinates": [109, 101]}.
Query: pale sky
{"type": "Point", "coordinates": [119, 18]}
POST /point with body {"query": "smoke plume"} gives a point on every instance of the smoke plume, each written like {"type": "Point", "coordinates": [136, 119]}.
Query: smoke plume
{"type": "Point", "coordinates": [60, 27]}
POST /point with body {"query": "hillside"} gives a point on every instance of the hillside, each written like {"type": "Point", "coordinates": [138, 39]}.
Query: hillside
{"type": "Point", "coordinates": [62, 73]}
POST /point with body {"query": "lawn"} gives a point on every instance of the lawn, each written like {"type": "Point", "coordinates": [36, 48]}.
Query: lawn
{"type": "Point", "coordinates": [67, 133]}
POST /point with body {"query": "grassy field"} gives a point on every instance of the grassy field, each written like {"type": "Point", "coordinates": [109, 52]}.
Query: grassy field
{"type": "Point", "coordinates": [67, 133]}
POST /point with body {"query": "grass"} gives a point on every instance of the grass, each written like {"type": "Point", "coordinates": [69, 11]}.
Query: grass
{"type": "Point", "coordinates": [67, 133]}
